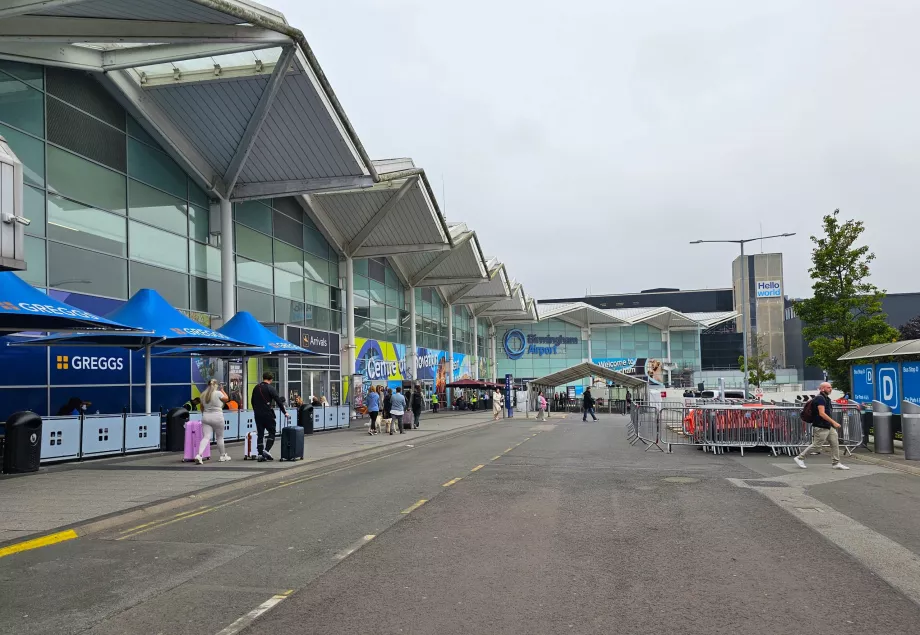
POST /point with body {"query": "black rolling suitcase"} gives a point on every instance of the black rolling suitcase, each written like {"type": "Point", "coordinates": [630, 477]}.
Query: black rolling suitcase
{"type": "Point", "coordinates": [291, 443]}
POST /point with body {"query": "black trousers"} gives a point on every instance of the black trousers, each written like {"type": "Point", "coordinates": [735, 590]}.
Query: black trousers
{"type": "Point", "coordinates": [264, 425]}
{"type": "Point", "coordinates": [373, 414]}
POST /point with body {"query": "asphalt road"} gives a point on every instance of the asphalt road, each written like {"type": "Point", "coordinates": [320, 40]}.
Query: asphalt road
{"type": "Point", "coordinates": [565, 529]}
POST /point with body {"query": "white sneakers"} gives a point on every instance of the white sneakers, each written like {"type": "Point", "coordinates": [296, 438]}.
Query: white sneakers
{"type": "Point", "coordinates": [199, 460]}
{"type": "Point", "coordinates": [800, 462]}
{"type": "Point", "coordinates": [836, 466]}
{"type": "Point", "coordinates": [839, 466]}
{"type": "Point", "coordinates": [224, 457]}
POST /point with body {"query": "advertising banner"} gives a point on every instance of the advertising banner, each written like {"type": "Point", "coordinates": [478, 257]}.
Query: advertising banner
{"type": "Point", "coordinates": [769, 289]}
{"type": "Point", "coordinates": [863, 386]}
{"type": "Point", "coordinates": [887, 385]}
{"type": "Point", "coordinates": [647, 368]}
{"type": "Point", "coordinates": [910, 382]}
{"type": "Point", "coordinates": [78, 365]}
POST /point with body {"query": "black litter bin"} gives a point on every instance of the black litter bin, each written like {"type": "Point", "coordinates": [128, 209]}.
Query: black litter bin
{"type": "Point", "coordinates": [176, 419]}
{"type": "Point", "coordinates": [23, 448]}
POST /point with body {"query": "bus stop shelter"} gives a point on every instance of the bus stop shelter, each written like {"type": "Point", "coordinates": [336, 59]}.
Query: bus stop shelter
{"type": "Point", "coordinates": [584, 370]}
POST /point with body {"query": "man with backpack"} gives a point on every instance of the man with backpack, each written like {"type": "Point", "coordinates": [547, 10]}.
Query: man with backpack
{"type": "Point", "coordinates": [587, 406]}
{"type": "Point", "coordinates": [817, 412]}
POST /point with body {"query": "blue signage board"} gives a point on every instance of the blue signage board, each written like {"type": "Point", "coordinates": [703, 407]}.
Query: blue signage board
{"type": "Point", "coordinates": [508, 388]}
{"type": "Point", "coordinates": [863, 386]}
{"type": "Point", "coordinates": [887, 385]}
{"type": "Point", "coordinates": [89, 365]}
{"type": "Point", "coordinates": [910, 382]}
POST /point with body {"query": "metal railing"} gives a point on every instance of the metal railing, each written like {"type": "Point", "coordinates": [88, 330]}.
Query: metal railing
{"type": "Point", "coordinates": [720, 426]}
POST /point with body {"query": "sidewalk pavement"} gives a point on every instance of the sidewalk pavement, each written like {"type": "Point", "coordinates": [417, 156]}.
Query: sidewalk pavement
{"type": "Point", "coordinates": [894, 461]}
{"type": "Point", "coordinates": [69, 494]}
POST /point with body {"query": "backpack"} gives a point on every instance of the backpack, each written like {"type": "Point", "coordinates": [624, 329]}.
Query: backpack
{"type": "Point", "coordinates": [808, 411]}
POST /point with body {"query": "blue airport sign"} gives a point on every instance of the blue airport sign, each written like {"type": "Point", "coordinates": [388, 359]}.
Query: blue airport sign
{"type": "Point", "coordinates": [863, 386]}
{"type": "Point", "coordinates": [887, 386]}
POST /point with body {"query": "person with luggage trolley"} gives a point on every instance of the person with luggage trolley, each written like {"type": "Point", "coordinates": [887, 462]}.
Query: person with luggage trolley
{"type": "Point", "coordinates": [263, 396]}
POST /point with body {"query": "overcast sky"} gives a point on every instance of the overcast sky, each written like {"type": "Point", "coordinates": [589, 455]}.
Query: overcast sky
{"type": "Point", "coordinates": [588, 142]}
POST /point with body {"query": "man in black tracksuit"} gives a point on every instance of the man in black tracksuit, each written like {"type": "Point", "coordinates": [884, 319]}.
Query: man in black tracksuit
{"type": "Point", "coordinates": [263, 396]}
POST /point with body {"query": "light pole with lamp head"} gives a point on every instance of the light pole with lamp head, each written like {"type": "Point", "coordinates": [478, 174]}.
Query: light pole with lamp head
{"type": "Point", "coordinates": [744, 343]}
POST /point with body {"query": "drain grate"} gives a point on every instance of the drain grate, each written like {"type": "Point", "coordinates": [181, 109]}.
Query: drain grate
{"type": "Point", "coordinates": [757, 483]}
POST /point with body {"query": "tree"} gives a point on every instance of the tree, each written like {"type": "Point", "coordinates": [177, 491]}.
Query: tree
{"type": "Point", "coordinates": [910, 330]}
{"type": "Point", "coordinates": [846, 310]}
{"type": "Point", "coordinates": [761, 365]}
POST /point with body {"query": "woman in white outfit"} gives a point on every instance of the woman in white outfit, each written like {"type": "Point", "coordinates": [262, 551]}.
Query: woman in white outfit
{"type": "Point", "coordinates": [212, 420]}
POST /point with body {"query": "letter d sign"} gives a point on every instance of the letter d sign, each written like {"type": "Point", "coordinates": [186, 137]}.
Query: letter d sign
{"type": "Point", "coordinates": [888, 387]}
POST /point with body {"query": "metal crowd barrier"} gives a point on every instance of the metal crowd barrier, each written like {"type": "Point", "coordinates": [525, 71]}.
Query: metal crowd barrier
{"type": "Point", "coordinates": [716, 427]}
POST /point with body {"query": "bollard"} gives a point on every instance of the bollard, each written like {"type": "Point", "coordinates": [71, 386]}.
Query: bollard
{"type": "Point", "coordinates": [910, 430]}
{"type": "Point", "coordinates": [884, 434]}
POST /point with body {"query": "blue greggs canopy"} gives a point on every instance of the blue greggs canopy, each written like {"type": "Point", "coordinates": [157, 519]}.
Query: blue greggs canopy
{"type": "Point", "coordinates": [245, 328]}
{"type": "Point", "coordinates": [24, 308]}
{"type": "Point", "coordinates": [162, 325]}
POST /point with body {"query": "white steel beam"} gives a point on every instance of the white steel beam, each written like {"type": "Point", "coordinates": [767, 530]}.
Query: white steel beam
{"type": "Point", "coordinates": [313, 207]}
{"type": "Point", "coordinates": [434, 264]}
{"type": "Point", "coordinates": [75, 57]}
{"type": "Point", "coordinates": [259, 115]}
{"type": "Point", "coordinates": [118, 59]}
{"type": "Point", "coordinates": [71, 30]}
{"type": "Point", "coordinates": [252, 191]}
{"type": "Point", "coordinates": [20, 7]}
{"type": "Point", "coordinates": [455, 298]}
{"type": "Point", "coordinates": [476, 299]}
{"type": "Point", "coordinates": [380, 215]}
{"type": "Point", "coordinates": [152, 118]}
{"type": "Point", "coordinates": [400, 250]}
{"type": "Point", "coordinates": [440, 282]}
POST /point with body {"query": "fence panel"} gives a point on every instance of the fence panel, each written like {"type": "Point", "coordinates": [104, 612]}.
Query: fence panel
{"type": "Point", "coordinates": [60, 438]}
{"type": "Point", "coordinates": [647, 426]}
{"type": "Point", "coordinates": [142, 432]}
{"type": "Point", "coordinates": [103, 434]}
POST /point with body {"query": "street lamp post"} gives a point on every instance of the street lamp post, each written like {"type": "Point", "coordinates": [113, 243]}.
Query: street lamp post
{"type": "Point", "coordinates": [744, 343]}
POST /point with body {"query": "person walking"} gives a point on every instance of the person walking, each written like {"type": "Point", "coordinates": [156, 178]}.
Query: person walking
{"type": "Point", "coordinates": [212, 420]}
{"type": "Point", "coordinates": [397, 409]}
{"type": "Point", "coordinates": [387, 403]}
{"type": "Point", "coordinates": [497, 403]}
{"type": "Point", "coordinates": [817, 412]}
{"type": "Point", "coordinates": [263, 396]}
{"type": "Point", "coordinates": [373, 408]}
{"type": "Point", "coordinates": [416, 404]}
{"type": "Point", "coordinates": [434, 402]}
{"type": "Point", "coordinates": [628, 400]}
{"type": "Point", "coordinates": [587, 406]}
{"type": "Point", "coordinates": [541, 404]}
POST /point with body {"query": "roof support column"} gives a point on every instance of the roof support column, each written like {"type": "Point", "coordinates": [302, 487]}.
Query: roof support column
{"type": "Point", "coordinates": [588, 338]}
{"type": "Point", "coordinates": [450, 350]}
{"type": "Point", "coordinates": [494, 354]}
{"type": "Point", "coordinates": [227, 277]}
{"type": "Point", "coordinates": [475, 363]}
{"type": "Point", "coordinates": [413, 345]}
{"type": "Point", "coordinates": [669, 355]}
{"type": "Point", "coordinates": [350, 324]}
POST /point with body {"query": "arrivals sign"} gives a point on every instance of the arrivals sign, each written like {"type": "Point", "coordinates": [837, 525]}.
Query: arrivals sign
{"type": "Point", "coordinates": [769, 289]}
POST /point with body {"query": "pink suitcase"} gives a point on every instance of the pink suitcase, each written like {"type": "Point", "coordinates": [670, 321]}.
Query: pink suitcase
{"type": "Point", "coordinates": [193, 436]}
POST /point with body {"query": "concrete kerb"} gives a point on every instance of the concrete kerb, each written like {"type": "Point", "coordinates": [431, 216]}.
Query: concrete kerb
{"type": "Point", "coordinates": [144, 512]}
{"type": "Point", "coordinates": [893, 465]}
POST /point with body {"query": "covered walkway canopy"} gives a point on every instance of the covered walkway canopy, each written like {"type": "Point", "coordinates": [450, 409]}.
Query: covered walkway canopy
{"type": "Point", "coordinates": [874, 351]}
{"type": "Point", "coordinates": [585, 370]}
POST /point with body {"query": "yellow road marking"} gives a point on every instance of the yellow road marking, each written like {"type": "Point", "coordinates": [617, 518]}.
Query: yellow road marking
{"type": "Point", "coordinates": [452, 481]}
{"type": "Point", "coordinates": [477, 468]}
{"type": "Point", "coordinates": [153, 522]}
{"type": "Point", "coordinates": [495, 458]}
{"type": "Point", "coordinates": [412, 508]}
{"type": "Point", "coordinates": [508, 450]}
{"type": "Point", "coordinates": [35, 543]}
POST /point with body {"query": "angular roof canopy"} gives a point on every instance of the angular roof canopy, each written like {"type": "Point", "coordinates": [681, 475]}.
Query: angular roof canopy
{"type": "Point", "coordinates": [516, 307]}
{"type": "Point", "coordinates": [228, 89]}
{"type": "Point", "coordinates": [462, 264]}
{"type": "Point", "coordinates": [661, 318]}
{"type": "Point", "coordinates": [584, 370]}
{"type": "Point", "coordinates": [894, 349]}
{"type": "Point", "coordinates": [708, 320]}
{"type": "Point", "coordinates": [496, 287]}
{"type": "Point", "coordinates": [578, 313]}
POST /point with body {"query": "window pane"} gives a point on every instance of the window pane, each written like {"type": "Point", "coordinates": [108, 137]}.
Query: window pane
{"type": "Point", "coordinates": [253, 274]}
{"type": "Point", "coordinates": [254, 214]}
{"type": "Point", "coordinates": [316, 268]}
{"type": "Point", "coordinates": [198, 196]}
{"type": "Point", "coordinates": [86, 182]}
{"type": "Point", "coordinates": [86, 271]}
{"type": "Point", "coordinates": [29, 73]}
{"type": "Point", "coordinates": [35, 262]}
{"type": "Point", "coordinates": [378, 311]}
{"type": "Point", "coordinates": [157, 169]}
{"type": "Point", "coordinates": [315, 293]}
{"type": "Point", "coordinates": [157, 247]}
{"type": "Point", "coordinates": [169, 284]}
{"type": "Point", "coordinates": [378, 292]}
{"type": "Point", "coordinates": [335, 298]}
{"type": "Point", "coordinates": [392, 298]}
{"type": "Point", "coordinates": [77, 224]}
{"type": "Point", "coordinates": [288, 285]}
{"type": "Point", "coordinates": [135, 130]}
{"type": "Point", "coordinates": [205, 295]}
{"type": "Point", "coordinates": [314, 242]}
{"type": "Point", "coordinates": [198, 223]}
{"type": "Point", "coordinates": [362, 283]}
{"type": "Point", "coordinates": [361, 267]}
{"type": "Point", "coordinates": [288, 229]}
{"type": "Point", "coordinates": [33, 202]}
{"type": "Point", "coordinates": [157, 208]}
{"type": "Point", "coordinates": [322, 318]}
{"type": "Point", "coordinates": [376, 271]}
{"type": "Point", "coordinates": [22, 106]}
{"type": "Point", "coordinates": [391, 279]}
{"type": "Point", "coordinates": [361, 301]}
{"type": "Point", "coordinates": [288, 311]}
{"type": "Point", "coordinates": [30, 151]}
{"type": "Point", "coordinates": [253, 245]}
{"type": "Point", "coordinates": [204, 260]}
{"type": "Point", "coordinates": [288, 258]}
{"type": "Point", "coordinates": [259, 304]}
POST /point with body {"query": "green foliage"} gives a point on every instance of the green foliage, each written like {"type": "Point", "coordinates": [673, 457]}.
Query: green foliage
{"type": "Point", "coordinates": [910, 330]}
{"type": "Point", "coordinates": [846, 310]}
{"type": "Point", "coordinates": [761, 366]}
